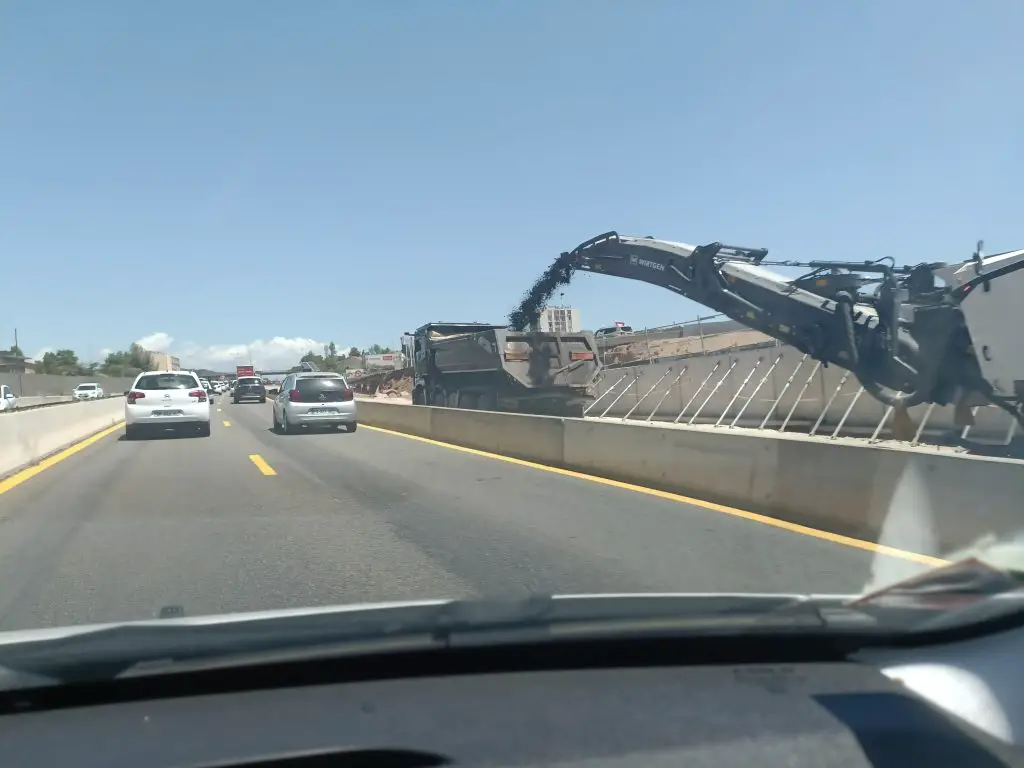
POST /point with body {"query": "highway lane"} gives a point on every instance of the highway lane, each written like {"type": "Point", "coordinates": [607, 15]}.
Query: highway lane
{"type": "Point", "coordinates": [122, 528]}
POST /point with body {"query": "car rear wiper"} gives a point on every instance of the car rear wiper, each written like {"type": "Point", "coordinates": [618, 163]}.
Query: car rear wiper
{"type": "Point", "coordinates": [111, 651]}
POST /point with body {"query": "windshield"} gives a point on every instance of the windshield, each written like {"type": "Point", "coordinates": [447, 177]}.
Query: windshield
{"type": "Point", "coordinates": [166, 381]}
{"type": "Point", "coordinates": [313, 385]}
{"type": "Point", "coordinates": [521, 299]}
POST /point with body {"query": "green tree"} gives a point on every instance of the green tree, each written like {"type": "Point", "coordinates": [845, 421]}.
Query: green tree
{"type": "Point", "coordinates": [125, 363]}
{"type": "Point", "coordinates": [138, 357]}
{"type": "Point", "coordinates": [354, 352]}
{"type": "Point", "coordinates": [16, 351]}
{"type": "Point", "coordinates": [63, 362]}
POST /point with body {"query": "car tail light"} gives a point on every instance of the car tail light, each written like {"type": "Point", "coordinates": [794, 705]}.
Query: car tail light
{"type": "Point", "coordinates": [581, 355]}
{"type": "Point", "coordinates": [294, 395]}
{"type": "Point", "coordinates": [200, 393]}
{"type": "Point", "coordinates": [133, 396]}
{"type": "Point", "coordinates": [347, 394]}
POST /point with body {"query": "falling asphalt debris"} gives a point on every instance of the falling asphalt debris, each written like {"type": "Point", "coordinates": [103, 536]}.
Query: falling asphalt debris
{"type": "Point", "coordinates": [554, 277]}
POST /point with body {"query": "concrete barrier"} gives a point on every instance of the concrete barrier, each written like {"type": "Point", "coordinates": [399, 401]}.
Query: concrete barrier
{"type": "Point", "coordinates": [923, 500]}
{"type": "Point", "coordinates": [31, 402]}
{"type": "Point", "coordinates": [29, 436]}
{"type": "Point", "coordinates": [40, 384]}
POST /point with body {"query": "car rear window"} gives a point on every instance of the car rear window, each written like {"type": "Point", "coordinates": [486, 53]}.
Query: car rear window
{"type": "Point", "coordinates": [86, 386]}
{"type": "Point", "coordinates": [167, 381]}
{"type": "Point", "coordinates": [309, 385]}
{"type": "Point", "coordinates": [249, 381]}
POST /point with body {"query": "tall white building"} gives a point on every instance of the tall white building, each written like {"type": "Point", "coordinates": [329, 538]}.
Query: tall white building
{"type": "Point", "coordinates": [559, 320]}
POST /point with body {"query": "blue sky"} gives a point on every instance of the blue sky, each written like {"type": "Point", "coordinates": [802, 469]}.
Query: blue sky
{"type": "Point", "coordinates": [230, 173]}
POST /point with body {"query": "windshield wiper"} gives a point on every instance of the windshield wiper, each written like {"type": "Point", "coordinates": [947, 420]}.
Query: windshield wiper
{"type": "Point", "coordinates": [143, 648]}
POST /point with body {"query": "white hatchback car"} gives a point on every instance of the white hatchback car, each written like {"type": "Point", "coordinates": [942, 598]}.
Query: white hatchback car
{"type": "Point", "coordinates": [160, 400]}
{"type": "Point", "coordinates": [87, 391]}
{"type": "Point", "coordinates": [314, 399]}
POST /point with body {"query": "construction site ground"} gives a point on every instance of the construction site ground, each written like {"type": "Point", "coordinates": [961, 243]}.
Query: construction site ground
{"type": "Point", "coordinates": [639, 348]}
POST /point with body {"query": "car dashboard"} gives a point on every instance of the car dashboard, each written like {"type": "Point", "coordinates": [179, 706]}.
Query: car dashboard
{"type": "Point", "coordinates": [872, 710]}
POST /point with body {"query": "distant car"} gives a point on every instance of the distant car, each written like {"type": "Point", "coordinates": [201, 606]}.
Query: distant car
{"type": "Point", "coordinates": [160, 400]}
{"type": "Point", "coordinates": [249, 388]}
{"type": "Point", "coordinates": [89, 391]}
{"type": "Point", "coordinates": [8, 400]}
{"type": "Point", "coordinates": [314, 399]}
{"type": "Point", "coordinates": [210, 391]}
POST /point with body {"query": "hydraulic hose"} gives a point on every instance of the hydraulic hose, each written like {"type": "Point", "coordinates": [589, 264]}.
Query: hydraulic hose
{"type": "Point", "coordinates": [879, 391]}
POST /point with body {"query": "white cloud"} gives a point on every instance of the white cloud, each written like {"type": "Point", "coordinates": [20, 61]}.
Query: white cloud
{"type": "Point", "coordinates": [278, 353]}
{"type": "Point", "coordinates": [156, 342]}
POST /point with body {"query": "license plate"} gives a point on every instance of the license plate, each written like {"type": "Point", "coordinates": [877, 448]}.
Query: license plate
{"type": "Point", "coordinates": [323, 410]}
{"type": "Point", "coordinates": [167, 413]}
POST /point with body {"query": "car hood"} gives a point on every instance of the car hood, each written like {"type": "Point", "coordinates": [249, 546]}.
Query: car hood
{"type": "Point", "coordinates": [52, 633]}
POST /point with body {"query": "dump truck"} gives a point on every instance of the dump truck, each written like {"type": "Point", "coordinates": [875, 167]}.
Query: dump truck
{"type": "Point", "coordinates": [491, 368]}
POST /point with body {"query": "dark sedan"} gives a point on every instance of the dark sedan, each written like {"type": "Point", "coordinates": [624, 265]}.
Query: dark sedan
{"type": "Point", "coordinates": [249, 388]}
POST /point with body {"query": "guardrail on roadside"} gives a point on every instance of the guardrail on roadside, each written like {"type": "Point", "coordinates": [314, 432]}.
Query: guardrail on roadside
{"type": "Point", "coordinates": [65, 400]}
{"type": "Point", "coordinates": [778, 389]}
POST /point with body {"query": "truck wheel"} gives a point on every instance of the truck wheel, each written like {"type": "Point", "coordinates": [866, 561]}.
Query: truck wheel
{"type": "Point", "coordinates": [417, 397]}
{"type": "Point", "coordinates": [438, 398]}
{"type": "Point", "coordinates": [469, 400]}
{"type": "Point", "coordinates": [487, 401]}
{"type": "Point", "coordinates": [453, 399]}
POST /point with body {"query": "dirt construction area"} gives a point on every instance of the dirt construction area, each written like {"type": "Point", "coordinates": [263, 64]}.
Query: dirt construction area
{"type": "Point", "coordinates": [639, 348]}
{"type": "Point", "coordinates": [386, 384]}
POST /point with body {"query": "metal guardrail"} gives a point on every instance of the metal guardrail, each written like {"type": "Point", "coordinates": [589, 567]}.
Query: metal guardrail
{"type": "Point", "coordinates": [751, 379]}
{"type": "Point", "coordinates": [68, 401]}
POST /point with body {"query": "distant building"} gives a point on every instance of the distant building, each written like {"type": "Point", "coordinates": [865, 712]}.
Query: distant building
{"type": "Point", "coordinates": [13, 363]}
{"type": "Point", "coordinates": [559, 320]}
{"type": "Point", "coordinates": [161, 361]}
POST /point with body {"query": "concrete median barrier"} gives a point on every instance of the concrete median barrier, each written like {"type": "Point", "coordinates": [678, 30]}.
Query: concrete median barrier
{"type": "Point", "coordinates": [534, 438]}
{"type": "Point", "coordinates": [923, 500]}
{"type": "Point", "coordinates": [30, 436]}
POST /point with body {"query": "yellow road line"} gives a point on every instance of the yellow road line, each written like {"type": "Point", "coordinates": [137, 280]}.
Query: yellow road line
{"type": "Point", "coordinates": [261, 464]}
{"type": "Point", "coordinates": [227, 423]}
{"type": "Point", "coordinates": [835, 538]}
{"type": "Point", "coordinates": [29, 472]}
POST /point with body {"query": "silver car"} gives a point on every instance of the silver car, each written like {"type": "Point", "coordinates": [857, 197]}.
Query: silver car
{"type": "Point", "coordinates": [314, 399]}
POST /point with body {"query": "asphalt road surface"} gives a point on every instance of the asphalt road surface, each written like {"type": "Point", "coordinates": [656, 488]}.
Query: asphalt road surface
{"type": "Point", "coordinates": [251, 520]}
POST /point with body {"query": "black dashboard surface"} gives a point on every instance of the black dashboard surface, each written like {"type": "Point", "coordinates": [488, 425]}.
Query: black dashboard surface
{"type": "Point", "coordinates": [828, 715]}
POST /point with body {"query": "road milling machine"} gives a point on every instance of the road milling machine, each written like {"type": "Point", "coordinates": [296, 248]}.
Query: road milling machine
{"type": "Point", "coordinates": [930, 333]}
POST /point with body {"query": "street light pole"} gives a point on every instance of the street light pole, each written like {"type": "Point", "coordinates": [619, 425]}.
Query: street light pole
{"type": "Point", "coordinates": [21, 365]}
